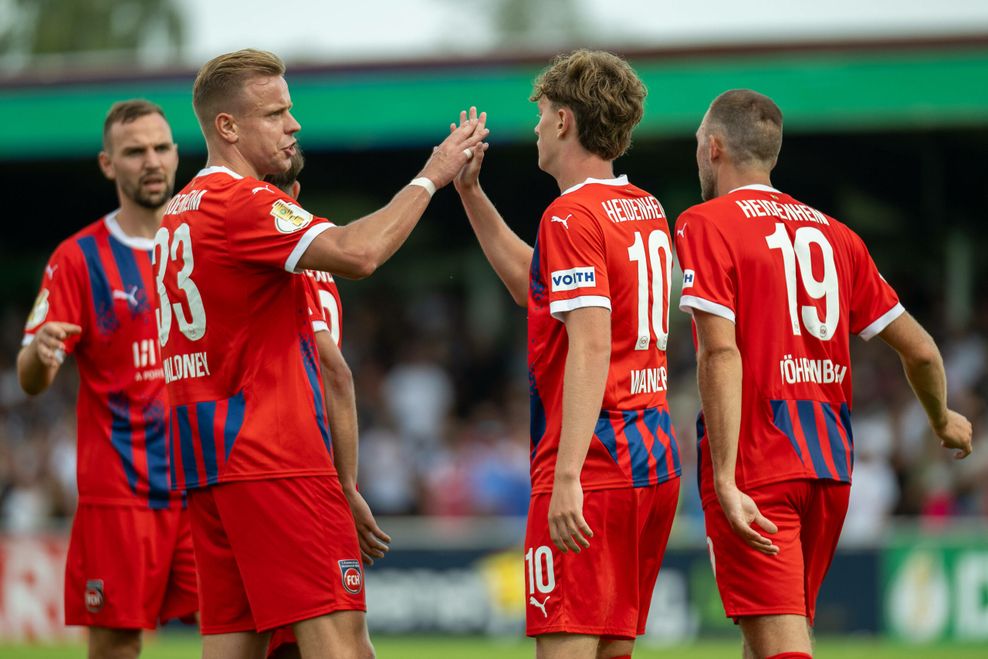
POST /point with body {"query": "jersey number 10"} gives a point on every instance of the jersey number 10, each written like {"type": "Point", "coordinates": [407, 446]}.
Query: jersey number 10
{"type": "Point", "coordinates": [797, 251]}
{"type": "Point", "coordinates": [660, 256]}
{"type": "Point", "coordinates": [192, 326]}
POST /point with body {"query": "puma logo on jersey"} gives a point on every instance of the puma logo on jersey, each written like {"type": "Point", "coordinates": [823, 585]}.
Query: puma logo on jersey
{"type": "Point", "coordinates": [562, 220]}
{"type": "Point", "coordinates": [681, 232]}
{"type": "Point", "coordinates": [129, 296]}
{"type": "Point", "coordinates": [540, 605]}
{"type": "Point", "coordinates": [261, 187]}
{"type": "Point", "coordinates": [50, 270]}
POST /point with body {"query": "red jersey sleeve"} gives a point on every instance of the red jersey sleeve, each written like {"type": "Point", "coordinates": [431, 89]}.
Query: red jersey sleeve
{"type": "Point", "coordinates": [874, 303]}
{"type": "Point", "coordinates": [269, 228]}
{"type": "Point", "coordinates": [62, 297]}
{"type": "Point", "coordinates": [709, 269]}
{"type": "Point", "coordinates": [574, 259]}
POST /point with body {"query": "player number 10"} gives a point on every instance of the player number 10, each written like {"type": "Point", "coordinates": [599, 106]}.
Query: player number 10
{"type": "Point", "coordinates": [797, 251]}
{"type": "Point", "coordinates": [540, 572]}
{"type": "Point", "coordinates": [195, 327]}
{"type": "Point", "coordinates": [660, 256]}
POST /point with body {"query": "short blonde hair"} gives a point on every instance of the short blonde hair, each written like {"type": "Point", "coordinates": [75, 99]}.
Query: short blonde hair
{"type": "Point", "coordinates": [603, 91]}
{"type": "Point", "coordinates": [221, 80]}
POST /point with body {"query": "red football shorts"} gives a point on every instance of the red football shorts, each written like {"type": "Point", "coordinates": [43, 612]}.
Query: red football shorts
{"type": "Point", "coordinates": [274, 552]}
{"type": "Point", "coordinates": [129, 567]}
{"type": "Point", "coordinates": [810, 515]}
{"type": "Point", "coordinates": [605, 590]}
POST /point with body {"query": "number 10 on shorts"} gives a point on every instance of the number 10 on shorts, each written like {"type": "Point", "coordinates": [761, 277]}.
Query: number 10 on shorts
{"type": "Point", "coordinates": [540, 573]}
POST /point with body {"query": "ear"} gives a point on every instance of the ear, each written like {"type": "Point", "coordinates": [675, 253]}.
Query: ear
{"type": "Point", "coordinates": [715, 146]}
{"type": "Point", "coordinates": [226, 127]}
{"type": "Point", "coordinates": [106, 165]}
{"type": "Point", "coordinates": [566, 122]}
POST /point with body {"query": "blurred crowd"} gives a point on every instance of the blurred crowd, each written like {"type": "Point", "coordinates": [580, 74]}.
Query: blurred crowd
{"type": "Point", "coordinates": [442, 396]}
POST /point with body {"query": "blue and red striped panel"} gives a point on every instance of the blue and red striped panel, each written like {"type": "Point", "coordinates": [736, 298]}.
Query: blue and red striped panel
{"type": "Point", "coordinates": [642, 443]}
{"type": "Point", "coordinates": [820, 434]}
{"type": "Point", "coordinates": [202, 436]}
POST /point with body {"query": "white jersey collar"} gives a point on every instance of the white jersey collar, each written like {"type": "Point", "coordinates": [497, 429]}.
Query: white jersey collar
{"type": "Point", "coordinates": [206, 171]}
{"type": "Point", "coordinates": [756, 186]}
{"type": "Point", "coordinates": [133, 242]}
{"type": "Point", "coordinates": [620, 180]}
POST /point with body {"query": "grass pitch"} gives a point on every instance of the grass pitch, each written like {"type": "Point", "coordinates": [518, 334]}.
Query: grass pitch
{"type": "Point", "coordinates": [184, 646]}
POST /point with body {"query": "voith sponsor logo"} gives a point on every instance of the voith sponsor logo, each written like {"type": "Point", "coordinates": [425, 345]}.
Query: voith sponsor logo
{"type": "Point", "coordinates": [569, 280]}
{"type": "Point", "coordinates": [353, 578]}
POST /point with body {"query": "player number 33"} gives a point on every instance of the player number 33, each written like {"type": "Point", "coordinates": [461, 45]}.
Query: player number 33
{"type": "Point", "coordinates": [193, 325]}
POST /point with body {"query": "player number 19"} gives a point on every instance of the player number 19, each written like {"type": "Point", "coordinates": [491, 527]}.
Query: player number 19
{"type": "Point", "coordinates": [192, 326]}
{"type": "Point", "coordinates": [797, 252]}
{"type": "Point", "coordinates": [660, 256]}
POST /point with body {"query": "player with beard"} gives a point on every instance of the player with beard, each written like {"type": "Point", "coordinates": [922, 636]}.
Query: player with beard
{"type": "Point", "coordinates": [130, 562]}
{"type": "Point", "coordinates": [272, 524]}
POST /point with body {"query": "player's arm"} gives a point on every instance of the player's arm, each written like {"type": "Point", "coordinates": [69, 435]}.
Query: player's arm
{"type": "Point", "coordinates": [509, 255]}
{"type": "Point", "coordinates": [923, 365]}
{"type": "Point", "coordinates": [38, 362]}
{"type": "Point", "coordinates": [718, 373]}
{"type": "Point", "coordinates": [588, 332]}
{"type": "Point", "coordinates": [359, 248]}
{"type": "Point", "coordinates": [341, 403]}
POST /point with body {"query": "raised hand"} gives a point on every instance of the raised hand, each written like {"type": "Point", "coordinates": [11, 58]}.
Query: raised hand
{"type": "Point", "coordinates": [741, 511]}
{"type": "Point", "coordinates": [452, 154]}
{"type": "Point", "coordinates": [469, 175]}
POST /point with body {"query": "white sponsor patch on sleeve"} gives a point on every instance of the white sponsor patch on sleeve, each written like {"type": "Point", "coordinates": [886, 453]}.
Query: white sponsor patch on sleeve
{"type": "Point", "coordinates": [39, 312]}
{"type": "Point", "coordinates": [289, 218]}
{"type": "Point", "coordinates": [688, 278]}
{"type": "Point", "coordinates": [568, 280]}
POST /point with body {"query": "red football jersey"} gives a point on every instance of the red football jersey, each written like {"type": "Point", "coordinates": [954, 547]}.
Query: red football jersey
{"type": "Point", "coordinates": [100, 279]}
{"type": "Point", "coordinates": [604, 243]}
{"type": "Point", "coordinates": [796, 283]}
{"type": "Point", "coordinates": [325, 308]}
{"type": "Point", "coordinates": [237, 346]}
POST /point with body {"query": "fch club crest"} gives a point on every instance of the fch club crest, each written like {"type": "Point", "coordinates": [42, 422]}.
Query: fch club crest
{"type": "Point", "coordinates": [353, 577]}
{"type": "Point", "coordinates": [94, 595]}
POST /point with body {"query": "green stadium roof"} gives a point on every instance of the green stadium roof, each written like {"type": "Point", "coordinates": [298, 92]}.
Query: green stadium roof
{"type": "Point", "coordinates": [878, 87]}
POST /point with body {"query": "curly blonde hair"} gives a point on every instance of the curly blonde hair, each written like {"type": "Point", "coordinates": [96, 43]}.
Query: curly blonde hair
{"type": "Point", "coordinates": [603, 91]}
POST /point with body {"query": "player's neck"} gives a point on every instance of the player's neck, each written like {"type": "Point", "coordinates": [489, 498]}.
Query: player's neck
{"type": "Point", "coordinates": [137, 221]}
{"type": "Point", "coordinates": [577, 168]}
{"type": "Point", "coordinates": [730, 178]}
{"type": "Point", "coordinates": [228, 156]}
